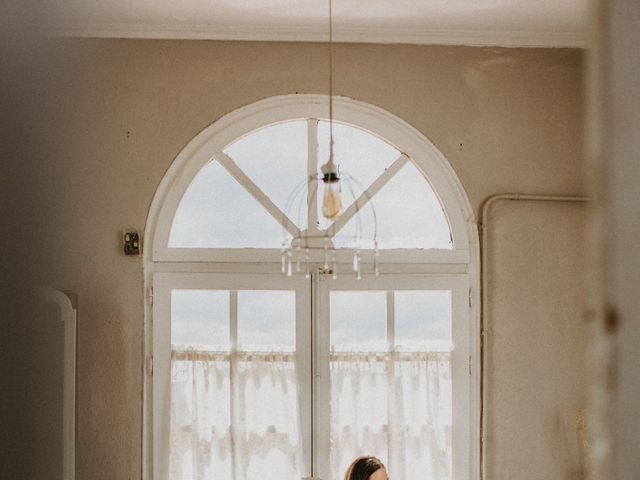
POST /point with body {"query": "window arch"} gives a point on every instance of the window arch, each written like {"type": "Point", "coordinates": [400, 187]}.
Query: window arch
{"type": "Point", "coordinates": [218, 150]}
{"type": "Point", "coordinates": [241, 198]}
{"type": "Point", "coordinates": [428, 248]}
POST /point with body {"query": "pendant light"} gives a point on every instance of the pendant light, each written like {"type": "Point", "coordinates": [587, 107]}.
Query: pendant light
{"type": "Point", "coordinates": [311, 245]}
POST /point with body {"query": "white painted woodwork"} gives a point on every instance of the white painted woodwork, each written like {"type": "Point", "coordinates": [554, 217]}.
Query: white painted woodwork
{"type": "Point", "coordinates": [68, 317]}
{"type": "Point", "coordinates": [214, 138]}
{"type": "Point", "coordinates": [542, 23]}
{"type": "Point", "coordinates": [363, 199]}
{"type": "Point", "coordinates": [255, 191]}
{"type": "Point", "coordinates": [455, 269]}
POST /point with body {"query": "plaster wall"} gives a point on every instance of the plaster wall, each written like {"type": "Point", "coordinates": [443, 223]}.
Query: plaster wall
{"type": "Point", "coordinates": [119, 111]}
{"type": "Point", "coordinates": [535, 340]}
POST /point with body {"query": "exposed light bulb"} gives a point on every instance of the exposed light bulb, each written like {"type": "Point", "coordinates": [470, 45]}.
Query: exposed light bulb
{"type": "Point", "coordinates": [331, 201]}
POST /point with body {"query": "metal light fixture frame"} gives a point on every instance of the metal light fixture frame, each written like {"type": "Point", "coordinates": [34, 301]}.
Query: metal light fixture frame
{"type": "Point", "coordinates": [296, 250]}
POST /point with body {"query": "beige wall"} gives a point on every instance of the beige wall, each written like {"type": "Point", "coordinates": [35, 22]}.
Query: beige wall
{"type": "Point", "coordinates": [508, 120]}
{"type": "Point", "coordinates": [535, 342]}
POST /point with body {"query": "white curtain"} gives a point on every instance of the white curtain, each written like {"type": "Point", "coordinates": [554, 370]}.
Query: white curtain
{"type": "Point", "coordinates": [234, 417]}
{"type": "Point", "coordinates": [396, 406]}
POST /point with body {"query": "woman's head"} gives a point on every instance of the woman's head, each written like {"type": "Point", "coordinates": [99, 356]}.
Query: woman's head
{"type": "Point", "coordinates": [366, 468]}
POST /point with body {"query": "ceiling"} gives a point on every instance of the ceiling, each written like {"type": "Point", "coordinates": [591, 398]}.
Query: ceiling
{"type": "Point", "coordinates": [536, 23]}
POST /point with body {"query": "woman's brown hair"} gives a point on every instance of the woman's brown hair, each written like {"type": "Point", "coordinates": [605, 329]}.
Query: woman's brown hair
{"type": "Point", "coordinates": [362, 468]}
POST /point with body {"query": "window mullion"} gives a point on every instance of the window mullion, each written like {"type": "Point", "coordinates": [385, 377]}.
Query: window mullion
{"type": "Point", "coordinates": [236, 172]}
{"type": "Point", "coordinates": [233, 320]}
{"type": "Point", "coordinates": [365, 196]}
{"type": "Point", "coordinates": [390, 368]}
{"type": "Point", "coordinates": [321, 377]}
{"type": "Point", "coordinates": [312, 172]}
{"type": "Point", "coordinates": [234, 391]}
{"type": "Point", "coordinates": [391, 341]}
{"type": "Point", "coordinates": [305, 297]}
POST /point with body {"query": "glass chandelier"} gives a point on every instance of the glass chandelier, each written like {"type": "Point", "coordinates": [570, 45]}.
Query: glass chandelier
{"type": "Point", "coordinates": [297, 251]}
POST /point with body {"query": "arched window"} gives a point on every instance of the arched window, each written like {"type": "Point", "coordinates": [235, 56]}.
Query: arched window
{"type": "Point", "coordinates": [260, 375]}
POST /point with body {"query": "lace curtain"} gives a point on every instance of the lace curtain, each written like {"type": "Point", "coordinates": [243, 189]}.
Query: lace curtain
{"type": "Point", "coordinates": [235, 417]}
{"type": "Point", "coordinates": [396, 406]}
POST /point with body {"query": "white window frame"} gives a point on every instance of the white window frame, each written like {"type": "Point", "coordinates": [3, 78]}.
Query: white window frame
{"type": "Point", "coordinates": [163, 284]}
{"type": "Point", "coordinates": [462, 261]}
{"type": "Point", "coordinates": [211, 142]}
{"type": "Point", "coordinates": [460, 357]}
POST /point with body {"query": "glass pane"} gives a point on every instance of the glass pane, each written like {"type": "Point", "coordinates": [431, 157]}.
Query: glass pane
{"type": "Point", "coordinates": [200, 319]}
{"type": "Point", "coordinates": [359, 154]}
{"type": "Point", "coordinates": [217, 212]}
{"type": "Point", "coordinates": [275, 159]}
{"type": "Point", "coordinates": [267, 320]}
{"type": "Point", "coordinates": [358, 321]}
{"type": "Point", "coordinates": [409, 216]}
{"type": "Point", "coordinates": [200, 415]}
{"type": "Point", "coordinates": [359, 409]}
{"type": "Point", "coordinates": [423, 320]}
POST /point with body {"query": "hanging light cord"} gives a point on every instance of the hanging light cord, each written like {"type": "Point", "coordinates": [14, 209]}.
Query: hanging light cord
{"type": "Point", "coordinates": [330, 82]}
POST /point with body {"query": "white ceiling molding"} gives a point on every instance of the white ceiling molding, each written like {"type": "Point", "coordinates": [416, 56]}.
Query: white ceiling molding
{"type": "Point", "coordinates": [382, 35]}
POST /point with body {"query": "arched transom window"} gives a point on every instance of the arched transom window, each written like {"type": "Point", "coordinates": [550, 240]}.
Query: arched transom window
{"type": "Point", "coordinates": [262, 375]}
{"type": "Point", "coordinates": [242, 198]}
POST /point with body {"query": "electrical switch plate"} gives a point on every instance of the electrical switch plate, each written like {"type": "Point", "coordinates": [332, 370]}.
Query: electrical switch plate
{"type": "Point", "coordinates": [131, 242]}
